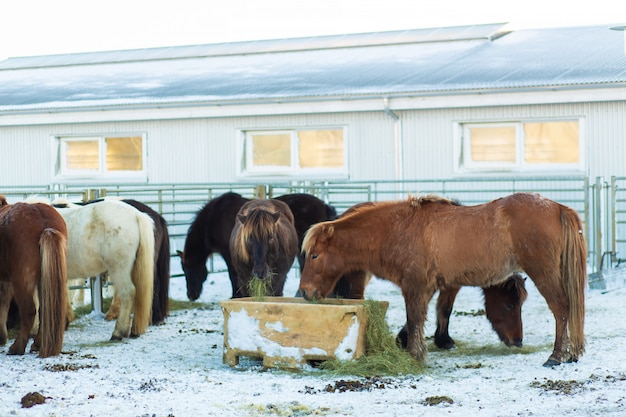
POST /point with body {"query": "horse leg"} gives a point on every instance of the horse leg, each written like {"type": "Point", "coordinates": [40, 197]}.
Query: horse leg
{"type": "Point", "coordinates": [27, 311]}
{"type": "Point", "coordinates": [6, 294]}
{"type": "Point", "coordinates": [35, 331]}
{"type": "Point", "coordinates": [125, 289]}
{"type": "Point", "coordinates": [232, 274]}
{"type": "Point", "coordinates": [445, 301]}
{"type": "Point", "coordinates": [416, 300]}
{"type": "Point", "coordinates": [352, 285]}
{"type": "Point", "coordinates": [114, 309]}
{"type": "Point", "coordinates": [549, 286]}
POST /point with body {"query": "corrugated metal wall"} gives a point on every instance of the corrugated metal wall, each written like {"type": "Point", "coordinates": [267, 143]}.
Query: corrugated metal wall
{"type": "Point", "coordinates": [204, 150]}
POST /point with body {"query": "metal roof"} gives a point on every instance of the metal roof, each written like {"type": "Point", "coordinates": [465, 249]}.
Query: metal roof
{"type": "Point", "coordinates": [399, 63]}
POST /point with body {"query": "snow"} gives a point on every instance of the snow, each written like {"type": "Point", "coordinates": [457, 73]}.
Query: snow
{"type": "Point", "coordinates": [176, 369]}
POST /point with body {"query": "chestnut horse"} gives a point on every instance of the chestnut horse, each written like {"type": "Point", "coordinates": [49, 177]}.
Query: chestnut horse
{"type": "Point", "coordinates": [33, 245]}
{"type": "Point", "coordinates": [503, 303]}
{"type": "Point", "coordinates": [263, 244]}
{"type": "Point", "coordinates": [211, 228]}
{"type": "Point", "coordinates": [428, 242]}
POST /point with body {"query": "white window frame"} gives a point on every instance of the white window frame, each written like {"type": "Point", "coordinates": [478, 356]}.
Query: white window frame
{"type": "Point", "coordinates": [464, 163]}
{"type": "Point", "coordinates": [245, 168]}
{"type": "Point", "coordinates": [63, 173]}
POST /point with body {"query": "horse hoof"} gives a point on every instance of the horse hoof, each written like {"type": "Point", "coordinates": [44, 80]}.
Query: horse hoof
{"type": "Point", "coordinates": [551, 363]}
{"type": "Point", "coordinates": [134, 336]}
{"type": "Point", "coordinates": [115, 338]}
{"type": "Point", "coordinates": [15, 351]}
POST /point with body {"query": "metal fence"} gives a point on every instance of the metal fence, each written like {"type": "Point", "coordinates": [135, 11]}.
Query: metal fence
{"type": "Point", "coordinates": [601, 204]}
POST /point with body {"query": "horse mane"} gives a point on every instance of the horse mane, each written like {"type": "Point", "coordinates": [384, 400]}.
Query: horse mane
{"type": "Point", "coordinates": [327, 228]}
{"type": "Point", "coordinates": [516, 286]}
{"type": "Point", "coordinates": [315, 232]}
{"type": "Point", "coordinates": [34, 199]}
{"type": "Point", "coordinates": [258, 223]}
{"type": "Point", "coordinates": [424, 199]}
{"type": "Point", "coordinates": [196, 228]}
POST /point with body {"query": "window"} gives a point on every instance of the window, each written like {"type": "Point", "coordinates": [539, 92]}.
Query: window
{"type": "Point", "coordinates": [294, 152]}
{"type": "Point", "coordinates": [521, 146]}
{"type": "Point", "coordinates": [102, 156]}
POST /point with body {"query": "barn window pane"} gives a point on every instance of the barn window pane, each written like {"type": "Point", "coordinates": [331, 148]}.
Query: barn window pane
{"type": "Point", "coordinates": [271, 150]}
{"type": "Point", "coordinates": [551, 142]}
{"type": "Point", "coordinates": [321, 148]}
{"type": "Point", "coordinates": [81, 155]}
{"type": "Point", "coordinates": [493, 144]}
{"type": "Point", "coordinates": [124, 153]}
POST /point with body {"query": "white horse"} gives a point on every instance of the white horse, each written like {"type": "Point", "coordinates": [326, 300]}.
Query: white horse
{"type": "Point", "coordinates": [115, 238]}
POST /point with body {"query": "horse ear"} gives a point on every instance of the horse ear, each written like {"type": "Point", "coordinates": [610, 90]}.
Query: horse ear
{"type": "Point", "coordinates": [276, 216]}
{"type": "Point", "coordinates": [328, 230]}
{"type": "Point", "coordinates": [241, 218]}
{"type": "Point", "coordinates": [180, 253]}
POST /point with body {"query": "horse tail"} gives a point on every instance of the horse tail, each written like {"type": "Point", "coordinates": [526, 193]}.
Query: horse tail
{"type": "Point", "coordinates": [143, 275]}
{"type": "Point", "coordinates": [161, 301]}
{"type": "Point", "coordinates": [574, 277]}
{"type": "Point", "coordinates": [53, 286]}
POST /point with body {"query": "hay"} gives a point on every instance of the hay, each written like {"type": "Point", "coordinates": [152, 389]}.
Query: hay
{"type": "Point", "coordinates": [383, 356]}
{"type": "Point", "coordinates": [259, 288]}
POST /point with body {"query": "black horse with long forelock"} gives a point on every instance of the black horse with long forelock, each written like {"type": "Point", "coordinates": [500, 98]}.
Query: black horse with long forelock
{"type": "Point", "coordinates": [263, 245]}
{"type": "Point", "coordinates": [210, 231]}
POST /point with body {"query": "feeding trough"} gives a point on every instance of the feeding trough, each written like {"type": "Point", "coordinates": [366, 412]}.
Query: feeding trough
{"type": "Point", "coordinates": [289, 332]}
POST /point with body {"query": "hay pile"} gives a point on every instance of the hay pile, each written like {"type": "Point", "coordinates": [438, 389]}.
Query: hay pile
{"type": "Point", "coordinates": [383, 356]}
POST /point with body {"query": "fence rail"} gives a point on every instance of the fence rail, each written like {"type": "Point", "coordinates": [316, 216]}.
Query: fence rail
{"type": "Point", "coordinates": [601, 204]}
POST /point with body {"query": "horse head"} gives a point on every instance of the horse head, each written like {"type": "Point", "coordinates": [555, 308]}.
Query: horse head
{"type": "Point", "coordinates": [195, 274]}
{"type": "Point", "coordinates": [258, 236]}
{"type": "Point", "coordinates": [503, 306]}
{"type": "Point", "coordinates": [323, 267]}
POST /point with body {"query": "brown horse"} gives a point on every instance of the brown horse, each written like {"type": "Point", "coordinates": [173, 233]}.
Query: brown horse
{"type": "Point", "coordinates": [428, 242]}
{"type": "Point", "coordinates": [263, 244]}
{"type": "Point", "coordinates": [503, 302]}
{"type": "Point", "coordinates": [33, 248]}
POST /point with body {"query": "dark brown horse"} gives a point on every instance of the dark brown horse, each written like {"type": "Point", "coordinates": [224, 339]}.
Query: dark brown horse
{"type": "Point", "coordinates": [263, 244]}
{"type": "Point", "coordinates": [211, 228]}
{"type": "Point", "coordinates": [503, 308]}
{"type": "Point", "coordinates": [33, 247]}
{"type": "Point", "coordinates": [425, 243]}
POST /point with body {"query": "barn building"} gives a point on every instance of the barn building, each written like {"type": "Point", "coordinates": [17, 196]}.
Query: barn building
{"type": "Point", "coordinates": [474, 112]}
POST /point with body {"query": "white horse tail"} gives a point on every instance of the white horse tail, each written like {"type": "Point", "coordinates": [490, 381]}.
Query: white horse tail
{"type": "Point", "coordinates": [143, 275]}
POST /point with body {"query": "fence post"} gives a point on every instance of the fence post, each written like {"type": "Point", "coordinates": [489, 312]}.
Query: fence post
{"type": "Point", "coordinates": [598, 223]}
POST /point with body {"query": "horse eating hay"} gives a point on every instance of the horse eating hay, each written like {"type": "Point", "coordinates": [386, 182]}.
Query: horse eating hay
{"type": "Point", "coordinates": [33, 245]}
{"type": "Point", "coordinates": [211, 228]}
{"type": "Point", "coordinates": [425, 243]}
{"type": "Point", "coordinates": [113, 237]}
{"type": "Point", "coordinates": [503, 302]}
{"type": "Point", "coordinates": [263, 244]}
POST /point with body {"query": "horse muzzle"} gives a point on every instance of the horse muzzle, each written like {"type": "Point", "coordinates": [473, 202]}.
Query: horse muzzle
{"type": "Point", "coordinates": [517, 342]}
{"type": "Point", "coordinates": [310, 295]}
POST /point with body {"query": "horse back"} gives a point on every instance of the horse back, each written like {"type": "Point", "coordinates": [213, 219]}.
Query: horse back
{"type": "Point", "coordinates": [21, 226]}
{"type": "Point", "coordinates": [307, 210]}
{"type": "Point", "coordinates": [210, 231]}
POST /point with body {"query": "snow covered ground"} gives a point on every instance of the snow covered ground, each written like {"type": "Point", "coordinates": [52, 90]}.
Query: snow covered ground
{"type": "Point", "coordinates": [177, 370]}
